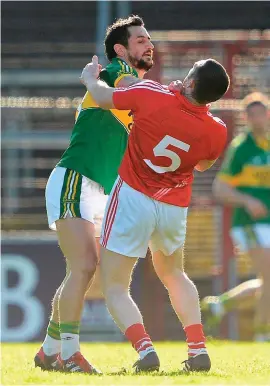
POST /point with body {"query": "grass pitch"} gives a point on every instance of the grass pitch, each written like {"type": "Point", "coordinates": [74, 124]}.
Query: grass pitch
{"type": "Point", "coordinates": [233, 363]}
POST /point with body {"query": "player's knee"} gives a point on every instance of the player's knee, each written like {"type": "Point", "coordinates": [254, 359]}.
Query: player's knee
{"type": "Point", "coordinates": [90, 265]}
{"type": "Point", "coordinates": [169, 277]}
{"type": "Point", "coordinates": [85, 265]}
{"type": "Point", "coordinates": [82, 276]}
{"type": "Point", "coordinates": [265, 269]}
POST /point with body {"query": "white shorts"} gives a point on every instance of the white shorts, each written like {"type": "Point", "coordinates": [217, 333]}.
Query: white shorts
{"type": "Point", "coordinates": [132, 220]}
{"type": "Point", "coordinates": [251, 236]}
{"type": "Point", "coordinates": [69, 194]}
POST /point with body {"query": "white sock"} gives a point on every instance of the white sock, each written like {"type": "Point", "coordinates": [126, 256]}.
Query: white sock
{"type": "Point", "coordinates": [196, 351]}
{"type": "Point", "coordinates": [70, 344]}
{"type": "Point", "coordinates": [143, 353]}
{"type": "Point", "coordinates": [51, 346]}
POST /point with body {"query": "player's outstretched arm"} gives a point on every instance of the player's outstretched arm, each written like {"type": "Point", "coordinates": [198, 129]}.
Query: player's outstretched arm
{"type": "Point", "coordinates": [100, 91]}
{"type": "Point", "coordinates": [229, 195]}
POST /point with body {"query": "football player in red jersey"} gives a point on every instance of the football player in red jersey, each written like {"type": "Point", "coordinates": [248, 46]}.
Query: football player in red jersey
{"type": "Point", "coordinates": [173, 134]}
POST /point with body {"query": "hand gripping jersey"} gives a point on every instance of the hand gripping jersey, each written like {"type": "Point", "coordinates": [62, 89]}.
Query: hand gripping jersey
{"type": "Point", "coordinates": [169, 137]}
{"type": "Point", "coordinates": [99, 137]}
{"type": "Point", "coordinates": [247, 168]}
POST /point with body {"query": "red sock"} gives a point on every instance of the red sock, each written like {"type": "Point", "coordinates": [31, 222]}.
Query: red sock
{"type": "Point", "coordinates": [195, 339]}
{"type": "Point", "coordinates": [139, 339]}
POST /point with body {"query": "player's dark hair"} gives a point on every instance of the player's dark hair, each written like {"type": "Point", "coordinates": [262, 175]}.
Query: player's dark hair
{"type": "Point", "coordinates": [255, 99]}
{"type": "Point", "coordinates": [255, 104]}
{"type": "Point", "coordinates": [211, 82]}
{"type": "Point", "coordinates": [118, 33]}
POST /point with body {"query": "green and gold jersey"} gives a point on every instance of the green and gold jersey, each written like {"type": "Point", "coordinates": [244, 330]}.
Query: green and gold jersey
{"type": "Point", "coordinates": [99, 137]}
{"type": "Point", "coordinates": [247, 168]}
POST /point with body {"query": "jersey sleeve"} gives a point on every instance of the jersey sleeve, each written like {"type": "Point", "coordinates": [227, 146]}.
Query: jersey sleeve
{"type": "Point", "coordinates": [128, 98]}
{"type": "Point", "coordinates": [143, 96]}
{"type": "Point", "coordinates": [232, 164]}
{"type": "Point", "coordinates": [219, 142]}
{"type": "Point", "coordinates": [115, 71]}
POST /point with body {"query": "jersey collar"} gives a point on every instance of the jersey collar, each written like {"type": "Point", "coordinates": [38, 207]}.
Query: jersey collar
{"type": "Point", "coordinates": [126, 68]}
{"type": "Point", "coordinates": [260, 141]}
{"type": "Point", "coordinates": [117, 59]}
{"type": "Point", "coordinates": [190, 106]}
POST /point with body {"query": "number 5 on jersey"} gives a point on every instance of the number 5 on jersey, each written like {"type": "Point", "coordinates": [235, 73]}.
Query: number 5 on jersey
{"type": "Point", "coordinates": [161, 150]}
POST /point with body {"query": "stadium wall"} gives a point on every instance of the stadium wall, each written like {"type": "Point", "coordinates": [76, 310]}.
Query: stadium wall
{"type": "Point", "coordinates": [39, 20]}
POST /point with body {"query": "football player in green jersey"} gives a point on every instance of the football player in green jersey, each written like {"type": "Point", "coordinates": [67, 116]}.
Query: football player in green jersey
{"type": "Point", "coordinates": [244, 183]}
{"type": "Point", "coordinates": [76, 192]}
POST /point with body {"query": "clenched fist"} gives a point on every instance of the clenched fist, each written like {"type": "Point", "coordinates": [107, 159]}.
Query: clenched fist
{"type": "Point", "coordinates": [91, 71]}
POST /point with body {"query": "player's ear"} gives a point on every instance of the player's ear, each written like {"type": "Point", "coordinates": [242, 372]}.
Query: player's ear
{"type": "Point", "coordinates": [189, 83]}
{"type": "Point", "coordinates": [119, 49]}
{"type": "Point", "coordinates": [192, 84]}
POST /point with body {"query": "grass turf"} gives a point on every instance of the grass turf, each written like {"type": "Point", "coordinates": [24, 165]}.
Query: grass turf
{"type": "Point", "coordinates": [233, 363]}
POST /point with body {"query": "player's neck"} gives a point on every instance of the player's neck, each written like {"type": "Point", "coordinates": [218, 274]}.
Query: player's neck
{"type": "Point", "coordinates": [259, 133]}
{"type": "Point", "coordinates": [140, 72]}
{"type": "Point", "coordinates": [188, 96]}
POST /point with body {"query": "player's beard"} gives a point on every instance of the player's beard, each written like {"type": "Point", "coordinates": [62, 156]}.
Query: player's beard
{"type": "Point", "coordinates": [140, 64]}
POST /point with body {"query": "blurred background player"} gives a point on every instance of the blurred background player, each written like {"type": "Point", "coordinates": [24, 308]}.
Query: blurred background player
{"type": "Point", "coordinates": [77, 188]}
{"type": "Point", "coordinates": [244, 183]}
{"type": "Point", "coordinates": [172, 135]}
{"type": "Point", "coordinates": [241, 298]}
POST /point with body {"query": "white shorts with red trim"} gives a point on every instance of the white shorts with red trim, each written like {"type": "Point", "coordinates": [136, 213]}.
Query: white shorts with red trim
{"type": "Point", "coordinates": [132, 220]}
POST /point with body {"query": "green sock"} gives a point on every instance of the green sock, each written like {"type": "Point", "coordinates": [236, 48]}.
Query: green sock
{"type": "Point", "coordinates": [53, 330]}
{"type": "Point", "coordinates": [70, 327]}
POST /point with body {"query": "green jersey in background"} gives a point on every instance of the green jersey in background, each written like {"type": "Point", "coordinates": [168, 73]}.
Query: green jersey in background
{"type": "Point", "coordinates": [247, 168]}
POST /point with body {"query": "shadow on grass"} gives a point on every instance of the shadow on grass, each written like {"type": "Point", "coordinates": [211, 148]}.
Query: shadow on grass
{"type": "Point", "coordinates": [167, 373]}
{"type": "Point", "coordinates": [172, 373]}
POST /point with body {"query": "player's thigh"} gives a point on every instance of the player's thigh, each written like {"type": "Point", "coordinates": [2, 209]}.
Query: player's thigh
{"type": "Point", "coordinates": [240, 239]}
{"type": "Point", "coordinates": [255, 240]}
{"type": "Point", "coordinates": [166, 266]}
{"type": "Point", "coordinates": [74, 204]}
{"type": "Point", "coordinates": [129, 220]}
{"type": "Point", "coordinates": [77, 241]}
{"type": "Point", "coordinates": [262, 232]}
{"type": "Point", "coordinates": [170, 233]}
{"type": "Point", "coordinates": [70, 194]}
{"type": "Point", "coordinates": [261, 262]}
{"type": "Point", "coordinates": [261, 255]}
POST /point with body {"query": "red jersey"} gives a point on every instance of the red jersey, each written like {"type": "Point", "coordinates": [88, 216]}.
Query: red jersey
{"type": "Point", "coordinates": [169, 137]}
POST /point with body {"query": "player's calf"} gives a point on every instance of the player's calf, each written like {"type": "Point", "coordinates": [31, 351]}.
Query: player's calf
{"type": "Point", "coordinates": [116, 272]}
